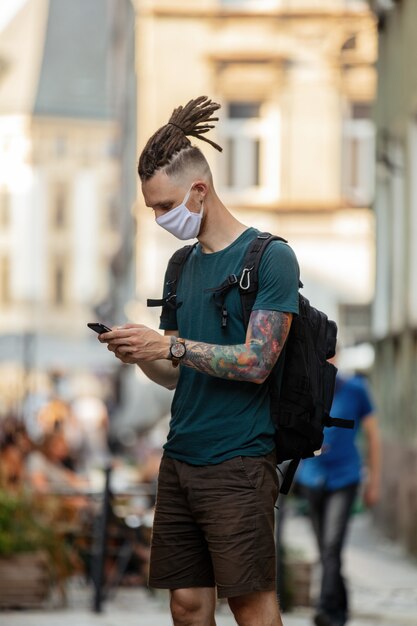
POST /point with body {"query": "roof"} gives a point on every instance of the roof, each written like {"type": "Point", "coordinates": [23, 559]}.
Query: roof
{"type": "Point", "coordinates": [73, 79]}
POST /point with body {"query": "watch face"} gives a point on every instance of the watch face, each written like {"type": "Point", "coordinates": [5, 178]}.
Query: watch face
{"type": "Point", "coordinates": [178, 350]}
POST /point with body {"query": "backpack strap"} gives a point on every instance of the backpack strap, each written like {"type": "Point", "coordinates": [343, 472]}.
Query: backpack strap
{"type": "Point", "coordinates": [248, 283]}
{"type": "Point", "coordinates": [289, 474]}
{"type": "Point", "coordinates": [172, 276]}
{"type": "Point", "coordinates": [339, 422]}
{"type": "Point", "coordinates": [220, 294]}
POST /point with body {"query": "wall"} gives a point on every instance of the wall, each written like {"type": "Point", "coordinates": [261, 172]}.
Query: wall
{"type": "Point", "coordinates": [394, 317]}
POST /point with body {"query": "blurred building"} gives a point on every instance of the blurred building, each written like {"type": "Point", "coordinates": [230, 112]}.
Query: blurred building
{"type": "Point", "coordinates": [395, 310]}
{"type": "Point", "coordinates": [67, 184]}
{"type": "Point", "coordinates": [296, 80]}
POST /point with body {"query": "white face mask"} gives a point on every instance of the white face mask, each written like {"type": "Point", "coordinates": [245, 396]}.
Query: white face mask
{"type": "Point", "coordinates": [180, 221]}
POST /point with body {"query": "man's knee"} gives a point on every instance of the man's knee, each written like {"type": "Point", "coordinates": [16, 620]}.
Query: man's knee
{"type": "Point", "coordinates": [256, 608]}
{"type": "Point", "coordinates": [192, 606]}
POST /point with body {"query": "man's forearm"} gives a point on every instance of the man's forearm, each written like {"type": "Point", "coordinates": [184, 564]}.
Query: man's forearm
{"type": "Point", "coordinates": [251, 361]}
{"type": "Point", "coordinates": [160, 372]}
{"type": "Point", "coordinates": [239, 362]}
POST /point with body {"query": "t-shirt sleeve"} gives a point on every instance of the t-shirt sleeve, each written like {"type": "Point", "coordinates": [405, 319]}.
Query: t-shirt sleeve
{"type": "Point", "coordinates": [279, 276]}
{"type": "Point", "coordinates": [168, 319]}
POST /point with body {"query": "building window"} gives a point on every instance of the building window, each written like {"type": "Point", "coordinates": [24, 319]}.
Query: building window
{"type": "Point", "coordinates": [4, 209]}
{"type": "Point", "coordinates": [60, 207]}
{"type": "Point", "coordinates": [358, 155]}
{"type": "Point", "coordinates": [355, 322]}
{"type": "Point", "coordinates": [5, 280]}
{"type": "Point", "coordinates": [59, 279]}
{"type": "Point", "coordinates": [244, 110]}
{"type": "Point", "coordinates": [243, 144]}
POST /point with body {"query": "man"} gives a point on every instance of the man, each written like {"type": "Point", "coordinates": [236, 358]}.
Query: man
{"type": "Point", "coordinates": [217, 483]}
{"type": "Point", "coordinates": [330, 483]}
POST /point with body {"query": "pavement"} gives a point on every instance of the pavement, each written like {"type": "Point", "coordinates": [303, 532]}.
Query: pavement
{"type": "Point", "coordinates": [382, 580]}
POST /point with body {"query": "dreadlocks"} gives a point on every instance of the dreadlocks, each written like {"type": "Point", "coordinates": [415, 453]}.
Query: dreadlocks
{"type": "Point", "coordinates": [171, 140]}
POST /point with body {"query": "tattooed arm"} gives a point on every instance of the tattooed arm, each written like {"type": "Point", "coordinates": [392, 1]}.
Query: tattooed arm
{"type": "Point", "coordinates": [251, 361]}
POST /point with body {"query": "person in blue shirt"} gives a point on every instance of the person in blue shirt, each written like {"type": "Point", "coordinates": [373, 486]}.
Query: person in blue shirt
{"type": "Point", "coordinates": [330, 483]}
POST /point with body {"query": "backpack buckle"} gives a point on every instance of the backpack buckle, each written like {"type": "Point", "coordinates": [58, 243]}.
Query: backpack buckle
{"type": "Point", "coordinates": [244, 282]}
{"type": "Point", "coordinates": [224, 317]}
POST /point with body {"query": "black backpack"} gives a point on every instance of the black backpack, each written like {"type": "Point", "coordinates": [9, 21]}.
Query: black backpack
{"type": "Point", "coordinates": [300, 409]}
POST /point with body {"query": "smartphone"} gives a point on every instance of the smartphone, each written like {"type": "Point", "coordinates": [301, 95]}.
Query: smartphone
{"type": "Point", "coordinates": [98, 327]}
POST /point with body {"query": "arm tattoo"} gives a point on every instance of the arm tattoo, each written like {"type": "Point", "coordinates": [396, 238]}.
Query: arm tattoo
{"type": "Point", "coordinates": [251, 361]}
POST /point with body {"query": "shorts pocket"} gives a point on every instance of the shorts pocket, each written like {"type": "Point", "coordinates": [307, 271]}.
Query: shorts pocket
{"type": "Point", "coordinates": [250, 467]}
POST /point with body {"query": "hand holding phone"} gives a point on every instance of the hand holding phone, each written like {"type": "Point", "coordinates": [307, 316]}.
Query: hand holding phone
{"type": "Point", "coordinates": [98, 327]}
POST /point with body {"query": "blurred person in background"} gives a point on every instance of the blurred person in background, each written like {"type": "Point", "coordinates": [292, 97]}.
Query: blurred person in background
{"type": "Point", "coordinates": [12, 466]}
{"type": "Point", "coordinates": [49, 467]}
{"type": "Point", "coordinates": [53, 414]}
{"type": "Point", "coordinates": [15, 445]}
{"type": "Point", "coordinates": [330, 483]}
{"type": "Point", "coordinates": [217, 485]}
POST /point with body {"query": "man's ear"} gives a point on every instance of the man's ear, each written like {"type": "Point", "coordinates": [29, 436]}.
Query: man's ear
{"type": "Point", "coordinates": [202, 188]}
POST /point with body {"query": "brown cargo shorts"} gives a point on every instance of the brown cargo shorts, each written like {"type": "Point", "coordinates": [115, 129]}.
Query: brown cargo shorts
{"type": "Point", "coordinates": [214, 526]}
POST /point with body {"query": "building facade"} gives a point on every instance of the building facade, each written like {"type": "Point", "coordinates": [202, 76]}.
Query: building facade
{"type": "Point", "coordinates": [296, 81]}
{"type": "Point", "coordinates": [66, 196]}
{"type": "Point", "coordinates": [395, 309]}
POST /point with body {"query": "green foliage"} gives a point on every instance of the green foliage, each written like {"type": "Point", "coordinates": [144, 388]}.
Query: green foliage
{"type": "Point", "coordinates": [24, 527]}
{"type": "Point", "coordinates": [20, 531]}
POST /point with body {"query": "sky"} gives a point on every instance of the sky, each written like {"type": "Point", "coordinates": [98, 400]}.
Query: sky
{"type": "Point", "coordinates": [8, 9]}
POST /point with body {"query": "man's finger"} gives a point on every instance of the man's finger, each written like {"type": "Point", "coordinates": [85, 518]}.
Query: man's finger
{"type": "Point", "coordinates": [122, 341]}
{"type": "Point", "coordinates": [124, 349]}
{"type": "Point", "coordinates": [119, 333]}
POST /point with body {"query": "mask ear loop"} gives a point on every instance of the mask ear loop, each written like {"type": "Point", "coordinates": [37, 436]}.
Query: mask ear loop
{"type": "Point", "coordinates": [187, 197]}
{"type": "Point", "coordinates": [201, 212]}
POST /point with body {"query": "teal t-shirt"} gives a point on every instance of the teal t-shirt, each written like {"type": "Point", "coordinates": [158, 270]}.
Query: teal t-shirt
{"type": "Point", "coordinates": [215, 419]}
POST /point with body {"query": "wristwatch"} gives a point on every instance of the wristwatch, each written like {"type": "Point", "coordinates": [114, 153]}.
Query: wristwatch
{"type": "Point", "coordinates": [177, 351]}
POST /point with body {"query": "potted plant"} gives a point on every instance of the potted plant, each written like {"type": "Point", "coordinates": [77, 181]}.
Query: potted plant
{"type": "Point", "coordinates": [33, 553]}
